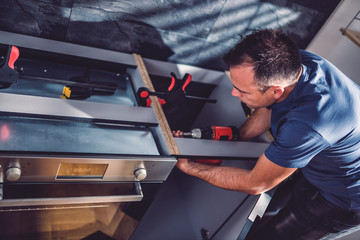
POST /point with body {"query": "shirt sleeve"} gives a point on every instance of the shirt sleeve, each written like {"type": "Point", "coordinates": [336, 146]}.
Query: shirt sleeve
{"type": "Point", "coordinates": [294, 145]}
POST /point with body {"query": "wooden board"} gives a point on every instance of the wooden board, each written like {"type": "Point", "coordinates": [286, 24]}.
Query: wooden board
{"type": "Point", "coordinates": [352, 35]}
{"type": "Point", "coordinates": [157, 107]}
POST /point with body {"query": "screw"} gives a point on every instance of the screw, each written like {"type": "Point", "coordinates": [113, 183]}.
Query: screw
{"type": "Point", "coordinates": [205, 234]}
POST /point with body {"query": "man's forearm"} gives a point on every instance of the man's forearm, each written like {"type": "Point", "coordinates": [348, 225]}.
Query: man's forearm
{"type": "Point", "coordinates": [264, 176]}
{"type": "Point", "coordinates": [230, 178]}
{"type": "Point", "coordinates": [257, 124]}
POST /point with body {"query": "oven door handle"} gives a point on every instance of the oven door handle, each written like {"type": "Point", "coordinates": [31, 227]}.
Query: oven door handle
{"type": "Point", "coordinates": [137, 195]}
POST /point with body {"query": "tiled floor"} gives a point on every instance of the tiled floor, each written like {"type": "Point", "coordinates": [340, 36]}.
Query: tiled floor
{"type": "Point", "coordinates": [190, 32]}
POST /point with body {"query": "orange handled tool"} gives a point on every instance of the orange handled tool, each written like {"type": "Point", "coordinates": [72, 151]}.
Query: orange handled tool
{"type": "Point", "coordinates": [8, 73]}
{"type": "Point", "coordinates": [175, 93]}
{"type": "Point", "coordinates": [14, 55]}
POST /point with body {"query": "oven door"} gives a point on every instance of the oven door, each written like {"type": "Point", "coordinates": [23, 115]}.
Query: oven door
{"type": "Point", "coordinates": [68, 210]}
{"type": "Point", "coordinates": [45, 194]}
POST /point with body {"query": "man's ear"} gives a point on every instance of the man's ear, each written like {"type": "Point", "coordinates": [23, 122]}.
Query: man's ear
{"type": "Point", "coordinates": [278, 91]}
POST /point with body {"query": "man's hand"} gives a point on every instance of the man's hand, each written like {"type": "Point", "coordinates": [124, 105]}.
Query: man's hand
{"type": "Point", "coordinates": [183, 164]}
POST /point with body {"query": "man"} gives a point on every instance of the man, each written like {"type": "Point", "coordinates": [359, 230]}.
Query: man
{"type": "Point", "coordinates": [313, 111]}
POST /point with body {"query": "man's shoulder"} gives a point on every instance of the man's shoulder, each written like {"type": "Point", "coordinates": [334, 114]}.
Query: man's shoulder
{"type": "Point", "coordinates": [310, 57]}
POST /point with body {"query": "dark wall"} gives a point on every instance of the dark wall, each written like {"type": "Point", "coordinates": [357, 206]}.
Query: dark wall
{"type": "Point", "coordinates": [193, 32]}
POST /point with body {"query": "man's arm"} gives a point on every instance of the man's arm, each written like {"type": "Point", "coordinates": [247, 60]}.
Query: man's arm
{"type": "Point", "coordinates": [264, 176]}
{"type": "Point", "coordinates": [257, 124]}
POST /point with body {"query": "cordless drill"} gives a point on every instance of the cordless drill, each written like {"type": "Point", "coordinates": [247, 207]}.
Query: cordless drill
{"type": "Point", "coordinates": [214, 132]}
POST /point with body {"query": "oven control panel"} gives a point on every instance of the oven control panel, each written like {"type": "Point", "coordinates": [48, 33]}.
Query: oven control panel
{"type": "Point", "coordinates": [58, 169]}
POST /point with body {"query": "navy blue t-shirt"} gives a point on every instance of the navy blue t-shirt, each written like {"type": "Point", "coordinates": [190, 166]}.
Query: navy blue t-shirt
{"type": "Point", "coordinates": [317, 128]}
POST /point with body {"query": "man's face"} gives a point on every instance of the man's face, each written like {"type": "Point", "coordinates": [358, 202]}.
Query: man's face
{"type": "Point", "coordinates": [242, 78]}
